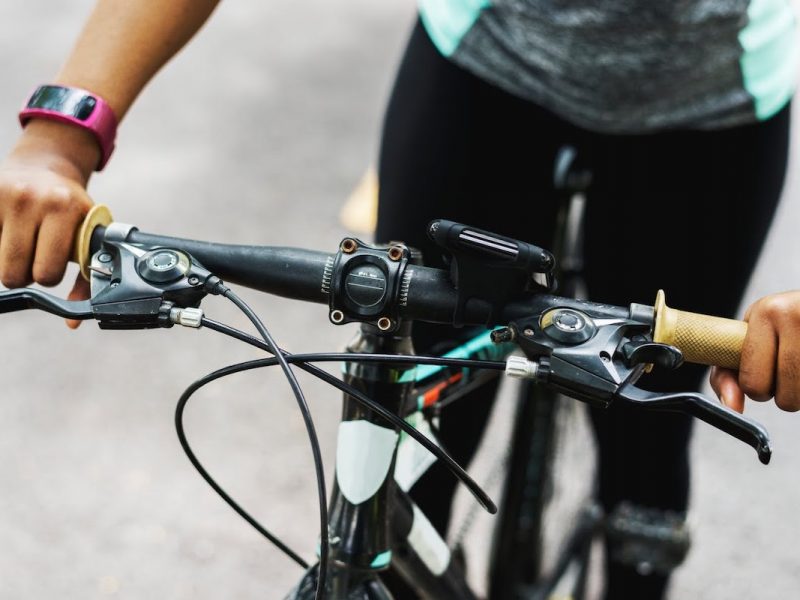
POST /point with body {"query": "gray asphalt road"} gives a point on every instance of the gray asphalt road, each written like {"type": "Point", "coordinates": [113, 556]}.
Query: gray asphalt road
{"type": "Point", "coordinates": [256, 133]}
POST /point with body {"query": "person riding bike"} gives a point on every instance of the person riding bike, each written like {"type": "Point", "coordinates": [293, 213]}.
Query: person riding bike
{"type": "Point", "coordinates": [681, 112]}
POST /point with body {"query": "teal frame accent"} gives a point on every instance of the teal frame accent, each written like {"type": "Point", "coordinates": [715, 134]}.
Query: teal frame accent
{"type": "Point", "coordinates": [769, 61]}
{"type": "Point", "coordinates": [481, 343]}
{"type": "Point", "coordinates": [383, 559]}
{"type": "Point", "coordinates": [448, 21]}
{"type": "Point", "coordinates": [380, 561]}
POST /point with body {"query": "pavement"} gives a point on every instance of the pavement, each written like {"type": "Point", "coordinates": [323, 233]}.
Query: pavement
{"type": "Point", "coordinates": [256, 133]}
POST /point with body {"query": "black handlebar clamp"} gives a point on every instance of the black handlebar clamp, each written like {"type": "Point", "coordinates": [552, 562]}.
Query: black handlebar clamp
{"type": "Point", "coordinates": [365, 283]}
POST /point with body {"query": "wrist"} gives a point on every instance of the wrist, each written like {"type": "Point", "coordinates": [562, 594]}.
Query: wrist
{"type": "Point", "coordinates": [59, 147]}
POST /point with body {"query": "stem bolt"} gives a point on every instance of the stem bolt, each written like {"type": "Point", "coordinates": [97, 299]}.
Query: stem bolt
{"type": "Point", "coordinates": [384, 323]}
{"type": "Point", "coordinates": [348, 245]}
{"type": "Point", "coordinates": [337, 316]}
{"type": "Point", "coordinates": [395, 253]}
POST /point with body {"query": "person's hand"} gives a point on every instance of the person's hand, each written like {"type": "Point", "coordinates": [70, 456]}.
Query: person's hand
{"type": "Point", "coordinates": [770, 363]}
{"type": "Point", "coordinates": [43, 200]}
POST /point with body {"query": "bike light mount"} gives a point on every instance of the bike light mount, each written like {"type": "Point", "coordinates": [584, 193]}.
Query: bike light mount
{"type": "Point", "coordinates": [487, 269]}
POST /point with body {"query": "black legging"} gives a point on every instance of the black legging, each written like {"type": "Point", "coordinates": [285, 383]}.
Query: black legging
{"type": "Point", "coordinates": [686, 211]}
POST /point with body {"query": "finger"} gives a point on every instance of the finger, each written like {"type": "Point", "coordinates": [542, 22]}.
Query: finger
{"type": "Point", "coordinates": [725, 384]}
{"type": "Point", "coordinates": [53, 248]}
{"type": "Point", "coordinates": [759, 354]}
{"type": "Point", "coordinates": [80, 291]}
{"type": "Point", "coordinates": [17, 244]}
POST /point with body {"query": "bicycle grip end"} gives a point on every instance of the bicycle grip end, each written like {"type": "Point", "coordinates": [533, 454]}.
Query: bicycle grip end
{"type": "Point", "coordinates": [702, 339]}
{"type": "Point", "coordinates": [99, 215]}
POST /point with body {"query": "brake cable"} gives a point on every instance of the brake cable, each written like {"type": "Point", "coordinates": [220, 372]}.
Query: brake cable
{"type": "Point", "coordinates": [283, 359]}
{"type": "Point", "coordinates": [226, 292]}
{"type": "Point", "coordinates": [481, 496]}
{"type": "Point", "coordinates": [302, 360]}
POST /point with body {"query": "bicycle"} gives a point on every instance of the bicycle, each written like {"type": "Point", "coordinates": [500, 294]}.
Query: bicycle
{"type": "Point", "coordinates": [549, 519]}
{"type": "Point", "coordinates": [142, 281]}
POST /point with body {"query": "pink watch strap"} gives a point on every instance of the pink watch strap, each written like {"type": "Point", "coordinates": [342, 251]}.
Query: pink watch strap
{"type": "Point", "coordinates": [77, 107]}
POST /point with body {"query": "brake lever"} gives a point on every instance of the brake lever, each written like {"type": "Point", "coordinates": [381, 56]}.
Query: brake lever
{"type": "Point", "coordinates": [579, 351]}
{"type": "Point", "coordinates": [132, 287]}
{"type": "Point", "coordinates": [705, 409]}
{"type": "Point", "coordinates": [137, 286]}
{"type": "Point", "coordinates": [29, 298]}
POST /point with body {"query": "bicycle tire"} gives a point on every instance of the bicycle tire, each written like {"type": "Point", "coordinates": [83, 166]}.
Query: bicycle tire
{"type": "Point", "coordinates": [543, 495]}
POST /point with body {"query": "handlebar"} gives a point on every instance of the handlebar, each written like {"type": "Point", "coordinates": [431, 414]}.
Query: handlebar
{"type": "Point", "coordinates": [290, 272]}
{"type": "Point", "coordinates": [590, 351]}
{"type": "Point", "coordinates": [304, 275]}
{"type": "Point", "coordinates": [301, 274]}
{"type": "Point", "coordinates": [428, 294]}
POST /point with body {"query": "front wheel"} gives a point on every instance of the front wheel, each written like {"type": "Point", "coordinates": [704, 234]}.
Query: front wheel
{"type": "Point", "coordinates": [549, 484]}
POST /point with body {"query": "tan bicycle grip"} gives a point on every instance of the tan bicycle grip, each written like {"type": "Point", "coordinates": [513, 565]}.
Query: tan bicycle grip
{"type": "Point", "coordinates": [98, 215]}
{"type": "Point", "coordinates": [702, 339]}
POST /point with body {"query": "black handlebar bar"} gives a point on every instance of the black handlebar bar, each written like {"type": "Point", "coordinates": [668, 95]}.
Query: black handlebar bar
{"type": "Point", "coordinates": [591, 351]}
{"type": "Point", "coordinates": [300, 274]}
{"type": "Point", "coordinates": [289, 272]}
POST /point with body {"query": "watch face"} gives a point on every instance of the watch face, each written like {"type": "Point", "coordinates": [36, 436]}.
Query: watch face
{"type": "Point", "coordinates": [74, 103]}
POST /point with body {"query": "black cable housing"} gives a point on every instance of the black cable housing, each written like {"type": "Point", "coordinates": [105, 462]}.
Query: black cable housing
{"type": "Point", "coordinates": [310, 429]}
{"type": "Point", "coordinates": [179, 411]}
{"type": "Point", "coordinates": [480, 495]}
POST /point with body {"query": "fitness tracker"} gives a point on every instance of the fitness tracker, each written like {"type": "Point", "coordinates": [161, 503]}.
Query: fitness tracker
{"type": "Point", "coordinates": [76, 107]}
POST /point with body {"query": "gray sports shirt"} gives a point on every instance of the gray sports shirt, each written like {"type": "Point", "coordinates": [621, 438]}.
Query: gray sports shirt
{"type": "Point", "coordinates": [628, 65]}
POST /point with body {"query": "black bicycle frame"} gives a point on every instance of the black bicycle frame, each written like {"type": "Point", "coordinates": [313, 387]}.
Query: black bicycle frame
{"type": "Point", "coordinates": [373, 522]}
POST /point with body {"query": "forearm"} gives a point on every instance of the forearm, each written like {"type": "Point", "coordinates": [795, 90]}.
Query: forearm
{"type": "Point", "coordinates": [122, 45]}
{"type": "Point", "coordinates": [43, 181]}
{"type": "Point", "coordinates": [125, 42]}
